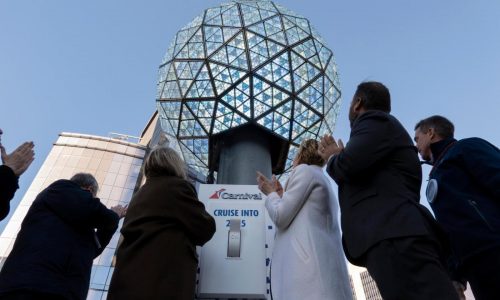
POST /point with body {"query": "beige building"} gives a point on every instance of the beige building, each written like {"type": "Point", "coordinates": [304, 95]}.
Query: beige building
{"type": "Point", "coordinates": [362, 284]}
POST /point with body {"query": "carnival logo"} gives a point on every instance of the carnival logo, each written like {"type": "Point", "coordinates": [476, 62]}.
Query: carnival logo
{"type": "Point", "coordinates": [216, 195]}
{"type": "Point", "coordinates": [241, 196]}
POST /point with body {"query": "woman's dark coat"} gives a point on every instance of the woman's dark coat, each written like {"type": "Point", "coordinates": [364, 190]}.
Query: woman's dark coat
{"type": "Point", "coordinates": [157, 258]}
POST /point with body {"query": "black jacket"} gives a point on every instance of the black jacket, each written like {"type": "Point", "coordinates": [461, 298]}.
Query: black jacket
{"type": "Point", "coordinates": [379, 178]}
{"type": "Point", "coordinates": [57, 243]}
{"type": "Point", "coordinates": [8, 186]}
{"type": "Point", "coordinates": [467, 204]}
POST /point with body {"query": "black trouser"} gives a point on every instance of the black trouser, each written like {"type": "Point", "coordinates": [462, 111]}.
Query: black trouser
{"type": "Point", "coordinates": [409, 268]}
{"type": "Point", "coordinates": [483, 274]}
{"type": "Point", "coordinates": [30, 295]}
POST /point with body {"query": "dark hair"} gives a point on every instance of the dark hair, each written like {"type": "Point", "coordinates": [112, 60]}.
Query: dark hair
{"type": "Point", "coordinates": [442, 126]}
{"type": "Point", "coordinates": [374, 95]}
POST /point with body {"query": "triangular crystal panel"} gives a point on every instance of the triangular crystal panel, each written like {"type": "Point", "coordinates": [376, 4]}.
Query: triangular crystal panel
{"type": "Point", "coordinates": [251, 14]}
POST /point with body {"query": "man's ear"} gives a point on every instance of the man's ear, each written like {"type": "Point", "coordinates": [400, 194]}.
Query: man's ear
{"type": "Point", "coordinates": [433, 135]}
{"type": "Point", "coordinates": [358, 104]}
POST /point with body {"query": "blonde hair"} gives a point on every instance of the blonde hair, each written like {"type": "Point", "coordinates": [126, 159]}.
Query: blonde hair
{"type": "Point", "coordinates": [308, 153]}
{"type": "Point", "coordinates": [164, 161]}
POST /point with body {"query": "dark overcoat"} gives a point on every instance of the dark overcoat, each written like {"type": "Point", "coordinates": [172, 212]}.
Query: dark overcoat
{"type": "Point", "coordinates": [157, 258]}
{"type": "Point", "coordinates": [63, 231]}
{"type": "Point", "coordinates": [467, 204]}
{"type": "Point", "coordinates": [8, 186]}
{"type": "Point", "coordinates": [379, 177]}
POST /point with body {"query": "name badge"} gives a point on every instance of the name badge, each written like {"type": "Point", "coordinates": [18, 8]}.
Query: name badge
{"type": "Point", "coordinates": [431, 190]}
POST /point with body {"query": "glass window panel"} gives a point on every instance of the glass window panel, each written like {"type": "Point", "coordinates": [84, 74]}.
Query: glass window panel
{"type": "Point", "coordinates": [137, 161]}
{"type": "Point", "coordinates": [66, 150]}
{"type": "Point", "coordinates": [104, 191]}
{"type": "Point", "coordinates": [104, 165]}
{"type": "Point", "coordinates": [101, 275]}
{"type": "Point", "coordinates": [115, 167]}
{"type": "Point", "coordinates": [83, 163]}
{"type": "Point", "coordinates": [108, 155]}
{"type": "Point", "coordinates": [98, 154]}
{"type": "Point", "coordinates": [77, 151]}
{"type": "Point", "coordinates": [94, 164]}
{"type": "Point", "coordinates": [135, 170]}
{"type": "Point", "coordinates": [113, 243]}
{"type": "Point", "coordinates": [124, 169]}
{"type": "Point", "coordinates": [94, 294]}
{"type": "Point", "coordinates": [110, 179]}
{"type": "Point", "coordinates": [111, 146]}
{"type": "Point", "coordinates": [111, 270]}
{"type": "Point", "coordinates": [120, 180]}
{"type": "Point", "coordinates": [116, 193]}
{"type": "Point", "coordinates": [120, 148]}
{"type": "Point", "coordinates": [127, 195]}
{"type": "Point", "coordinates": [56, 150]}
{"type": "Point", "coordinates": [93, 143]}
{"type": "Point", "coordinates": [250, 14]}
{"type": "Point", "coordinates": [88, 152]}
{"type": "Point", "coordinates": [72, 161]}
{"type": "Point", "coordinates": [106, 257]}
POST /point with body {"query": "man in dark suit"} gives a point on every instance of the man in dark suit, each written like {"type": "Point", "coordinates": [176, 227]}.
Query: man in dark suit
{"type": "Point", "coordinates": [385, 229]}
{"type": "Point", "coordinates": [65, 228]}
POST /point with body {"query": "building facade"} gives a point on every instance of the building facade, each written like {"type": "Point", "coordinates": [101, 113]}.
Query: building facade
{"type": "Point", "coordinates": [362, 284]}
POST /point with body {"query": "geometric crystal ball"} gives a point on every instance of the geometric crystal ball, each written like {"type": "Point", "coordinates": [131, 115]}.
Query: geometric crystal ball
{"type": "Point", "coordinates": [246, 61]}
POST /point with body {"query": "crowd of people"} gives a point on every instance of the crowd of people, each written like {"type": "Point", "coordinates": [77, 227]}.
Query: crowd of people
{"type": "Point", "coordinates": [409, 253]}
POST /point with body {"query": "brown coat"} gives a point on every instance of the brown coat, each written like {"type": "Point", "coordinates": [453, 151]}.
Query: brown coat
{"type": "Point", "coordinates": [157, 258]}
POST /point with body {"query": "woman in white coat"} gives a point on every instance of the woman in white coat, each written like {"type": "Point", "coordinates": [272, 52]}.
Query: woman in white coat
{"type": "Point", "coordinates": [308, 261]}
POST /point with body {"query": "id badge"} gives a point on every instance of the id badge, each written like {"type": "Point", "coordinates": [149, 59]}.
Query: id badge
{"type": "Point", "coordinates": [431, 190]}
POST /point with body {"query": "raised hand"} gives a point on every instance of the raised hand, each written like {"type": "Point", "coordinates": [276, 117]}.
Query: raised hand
{"type": "Point", "coordinates": [20, 159]}
{"type": "Point", "coordinates": [328, 146]}
{"type": "Point", "coordinates": [265, 185]}
{"type": "Point", "coordinates": [277, 186]}
{"type": "Point", "coordinates": [120, 210]}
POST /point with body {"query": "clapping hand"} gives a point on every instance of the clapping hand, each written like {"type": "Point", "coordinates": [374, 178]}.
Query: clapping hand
{"type": "Point", "coordinates": [20, 159]}
{"type": "Point", "coordinates": [266, 186]}
{"type": "Point", "coordinates": [120, 210]}
{"type": "Point", "coordinates": [328, 147]}
{"type": "Point", "coordinates": [277, 186]}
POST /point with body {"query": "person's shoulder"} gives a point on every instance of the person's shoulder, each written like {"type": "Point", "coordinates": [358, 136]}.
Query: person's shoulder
{"type": "Point", "coordinates": [375, 114]}
{"type": "Point", "coordinates": [475, 143]}
{"type": "Point", "coordinates": [373, 117]}
{"type": "Point", "coordinates": [170, 183]}
{"type": "Point", "coordinates": [63, 184]}
{"type": "Point", "coordinates": [305, 170]}
{"type": "Point", "coordinates": [472, 141]}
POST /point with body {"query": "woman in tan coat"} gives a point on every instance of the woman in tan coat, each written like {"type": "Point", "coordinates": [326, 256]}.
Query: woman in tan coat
{"type": "Point", "coordinates": [165, 221]}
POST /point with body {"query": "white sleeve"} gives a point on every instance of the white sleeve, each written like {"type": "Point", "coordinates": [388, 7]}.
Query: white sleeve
{"type": "Point", "coordinates": [283, 210]}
